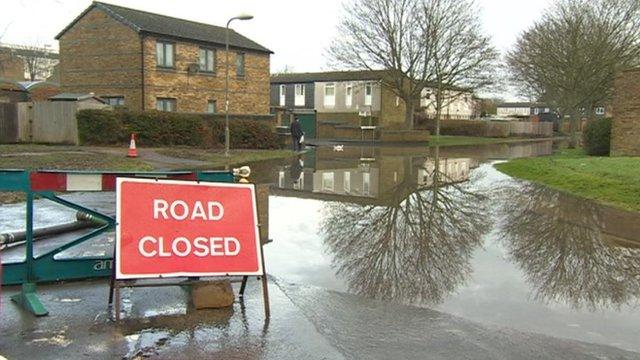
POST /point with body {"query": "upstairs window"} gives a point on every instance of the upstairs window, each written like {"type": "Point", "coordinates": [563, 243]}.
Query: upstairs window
{"type": "Point", "coordinates": [330, 95]}
{"type": "Point", "coordinates": [207, 60]}
{"type": "Point", "coordinates": [165, 104]}
{"type": "Point", "coordinates": [114, 100]}
{"type": "Point", "coordinates": [283, 95]}
{"type": "Point", "coordinates": [599, 110]}
{"type": "Point", "coordinates": [240, 64]}
{"type": "Point", "coordinates": [368, 94]}
{"type": "Point", "coordinates": [164, 54]}
{"type": "Point", "coordinates": [299, 91]}
{"type": "Point", "coordinates": [212, 107]}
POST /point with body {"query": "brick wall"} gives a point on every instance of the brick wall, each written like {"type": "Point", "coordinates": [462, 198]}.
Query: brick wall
{"type": "Point", "coordinates": [11, 66]}
{"type": "Point", "coordinates": [625, 131]}
{"type": "Point", "coordinates": [101, 55]}
{"type": "Point", "coordinates": [192, 91]}
{"type": "Point", "coordinates": [391, 115]}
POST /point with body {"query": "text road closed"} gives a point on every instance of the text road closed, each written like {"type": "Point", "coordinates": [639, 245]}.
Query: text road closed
{"type": "Point", "coordinates": [177, 228]}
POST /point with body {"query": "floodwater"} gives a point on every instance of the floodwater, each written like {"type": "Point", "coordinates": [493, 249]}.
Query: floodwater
{"type": "Point", "coordinates": [436, 228]}
{"type": "Point", "coordinates": [441, 228]}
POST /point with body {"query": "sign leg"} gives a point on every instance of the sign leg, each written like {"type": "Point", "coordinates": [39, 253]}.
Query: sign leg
{"type": "Point", "coordinates": [243, 286]}
{"type": "Point", "coordinates": [265, 288]}
{"type": "Point", "coordinates": [117, 307]}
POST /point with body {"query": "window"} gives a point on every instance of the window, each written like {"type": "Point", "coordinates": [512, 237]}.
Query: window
{"type": "Point", "coordinates": [536, 111]}
{"type": "Point", "coordinates": [327, 181]}
{"type": "Point", "coordinates": [240, 64]}
{"type": "Point", "coordinates": [114, 100]}
{"type": "Point", "coordinates": [207, 60]}
{"type": "Point", "coordinates": [347, 182]}
{"type": "Point", "coordinates": [546, 110]}
{"type": "Point", "coordinates": [299, 91]}
{"type": "Point", "coordinates": [164, 54]}
{"type": "Point", "coordinates": [368, 92]}
{"type": "Point", "coordinates": [600, 110]}
{"type": "Point", "coordinates": [283, 95]}
{"type": "Point", "coordinates": [281, 179]}
{"type": "Point", "coordinates": [212, 107]}
{"type": "Point", "coordinates": [366, 183]}
{"type": "Point", "coordinates": [165, 104]}
{"type": "Point", "coordinates": [330, 95]}
{"type": "Point", "coordinates": [397, 101]}
{"type": "Point", "coordinates": [348, 99]}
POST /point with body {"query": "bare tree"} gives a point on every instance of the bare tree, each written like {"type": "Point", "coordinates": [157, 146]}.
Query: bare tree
{"type": "Point", "coordinates": [415, 248]}
{"type": "Point", "coordinates": [37, 60]}
{"type": "Point", "coordinates": [570, 57]}
{"type": "Point", "coordinates": [461, 58]}
{"type": "Point", "coordinates": [385, 35]}
{"type": "Point", "coordinates": [558, 241]}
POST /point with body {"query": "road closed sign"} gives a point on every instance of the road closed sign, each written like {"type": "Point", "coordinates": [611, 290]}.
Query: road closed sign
{"type": "Point", "coordinates": [171, 228]}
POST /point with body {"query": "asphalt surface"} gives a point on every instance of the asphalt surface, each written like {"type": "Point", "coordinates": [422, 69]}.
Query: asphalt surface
{"type": "Point", "coordinates": [306, 323]}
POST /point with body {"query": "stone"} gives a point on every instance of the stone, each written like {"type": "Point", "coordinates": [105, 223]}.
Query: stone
{"type": "Point", "coordinates": [212, 294]}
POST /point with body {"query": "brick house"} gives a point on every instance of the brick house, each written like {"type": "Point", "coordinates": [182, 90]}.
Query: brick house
{"type": "Point", "coordinates": [149, 61]}
{"type": "Point", "coordinates": [625, 128]}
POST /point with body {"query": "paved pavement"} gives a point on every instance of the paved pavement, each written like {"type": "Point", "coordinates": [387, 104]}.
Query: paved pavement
{"type": "Point", "coordinates": [306, 323]}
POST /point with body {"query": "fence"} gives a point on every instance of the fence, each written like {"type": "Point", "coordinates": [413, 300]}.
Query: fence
{"type": "Point", "coordinates": [52, 122]}
{"type": "Point", "coordinates": [530, 129]}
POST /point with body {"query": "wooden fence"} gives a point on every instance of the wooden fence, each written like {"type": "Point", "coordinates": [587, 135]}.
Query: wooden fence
{"type": "Point", "coordinates": [530, 129]}
{"type": "Point", "coordinates": [51, 122]}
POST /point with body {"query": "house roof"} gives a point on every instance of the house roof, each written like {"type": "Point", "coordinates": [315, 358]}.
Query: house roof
{"type": "Point", "coordinates": [74, 97]}
{"type": "Point", "coordinates": [329, 76]}
{"type": "Point", "coordinates": [522, 104]}
{"type": "Point", "coordinates": [30, 85]}
{"type": "Point", "coordinates": [146, 22]}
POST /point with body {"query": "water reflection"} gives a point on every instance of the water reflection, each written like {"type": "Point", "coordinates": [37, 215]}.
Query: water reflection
{"type": "Point", "coordinates": [413, 238]}
{"type": "Point", "coordinates": [572, 250]}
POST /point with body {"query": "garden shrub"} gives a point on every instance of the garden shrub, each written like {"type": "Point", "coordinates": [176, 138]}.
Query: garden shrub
{"type": "Point", "coordinates": [596, 137]}
{"type": "Point", "coordinates": [99, 127]}
{"type": "Point", "coordinates": [157, 128]}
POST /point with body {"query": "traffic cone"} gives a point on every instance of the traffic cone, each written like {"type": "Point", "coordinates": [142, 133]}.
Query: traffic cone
{"type": "Point", "coordinates": [133, 152]}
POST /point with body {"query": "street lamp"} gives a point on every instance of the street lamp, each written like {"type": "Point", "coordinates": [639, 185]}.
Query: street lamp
{"type": "Point", "coordinates": [226, 81]}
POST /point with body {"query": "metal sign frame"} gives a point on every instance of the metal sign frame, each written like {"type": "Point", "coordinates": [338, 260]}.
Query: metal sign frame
{"type": "Point", "coordinates": [46, 184]}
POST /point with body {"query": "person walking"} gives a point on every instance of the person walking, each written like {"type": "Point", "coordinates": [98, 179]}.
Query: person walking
{"type": "Point", "coordinates": [296, 134]}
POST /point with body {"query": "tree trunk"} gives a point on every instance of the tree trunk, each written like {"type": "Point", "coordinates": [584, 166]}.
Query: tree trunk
{"type": "Point", "coordinates": [438, 114]}
{"type": "Point", "coordinates": [408, 114]}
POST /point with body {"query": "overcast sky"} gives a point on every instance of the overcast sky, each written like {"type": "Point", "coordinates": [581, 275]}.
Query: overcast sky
{"type": "Point", "coordinates": [297, 31]}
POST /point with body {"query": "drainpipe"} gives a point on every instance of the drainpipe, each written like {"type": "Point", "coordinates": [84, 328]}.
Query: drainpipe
{"type": "Point", "coordinates": [142, 70]}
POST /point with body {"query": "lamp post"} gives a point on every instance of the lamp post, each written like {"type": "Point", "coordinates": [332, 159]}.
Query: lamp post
{"type": "Point", "coordinates": [226, 81]}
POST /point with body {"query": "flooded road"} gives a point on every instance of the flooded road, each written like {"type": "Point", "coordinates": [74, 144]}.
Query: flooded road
{"type": "Point", "coordinates": [360, 233]}
{"type": "Point", "coordinates": [441, 228]}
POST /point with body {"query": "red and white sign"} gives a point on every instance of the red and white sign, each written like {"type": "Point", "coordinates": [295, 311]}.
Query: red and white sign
{"type": "Point", "coordinates": [171, 228]}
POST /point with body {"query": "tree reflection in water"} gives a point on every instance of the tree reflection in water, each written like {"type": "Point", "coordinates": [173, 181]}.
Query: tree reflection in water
{"type": "Point", "coordinates": [416, 247]}
{"type": "Point", "coordinates": [557, 241]}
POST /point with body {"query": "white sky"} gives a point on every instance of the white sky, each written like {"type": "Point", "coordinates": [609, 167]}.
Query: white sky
{"type": "Point", "coordinates": [298, 31]}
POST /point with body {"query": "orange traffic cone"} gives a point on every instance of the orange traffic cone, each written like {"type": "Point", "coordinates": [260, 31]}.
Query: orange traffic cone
{"type": "Point", "coordinates": [133, 152]}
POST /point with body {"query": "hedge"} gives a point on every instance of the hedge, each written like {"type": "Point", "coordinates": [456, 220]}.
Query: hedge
{"type": "Point", "coordinates": [596, 137]}
{"type": "Point", "coordinates": [463, 127]}
{"type": "Point", "coordinates": [156, 128]}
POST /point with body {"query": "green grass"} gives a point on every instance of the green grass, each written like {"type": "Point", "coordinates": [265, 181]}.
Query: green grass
{"type": "Point", "coordinates": [610, 180]}
{"type": "Point", "coordinates": [216, 158]}
{"type": "Point", "coordinates": [447, 140]}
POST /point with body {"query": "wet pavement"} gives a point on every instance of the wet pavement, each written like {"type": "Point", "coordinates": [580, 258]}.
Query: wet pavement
{"type": "Point", "coordinates": [378, 252]}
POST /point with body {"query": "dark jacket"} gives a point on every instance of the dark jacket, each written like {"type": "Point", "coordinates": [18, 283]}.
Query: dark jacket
{"type": "Point", "coordinates": [296, 130]}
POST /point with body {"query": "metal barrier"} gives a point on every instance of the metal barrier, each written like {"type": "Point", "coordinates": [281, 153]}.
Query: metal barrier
{"type": "Point", "coordinates": [46, 184]}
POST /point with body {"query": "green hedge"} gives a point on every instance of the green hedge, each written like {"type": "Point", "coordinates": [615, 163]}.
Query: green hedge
{"type": "Point", "coordinates": [156, 128]}
{"type": "Point", "coordinates": [596, 138]}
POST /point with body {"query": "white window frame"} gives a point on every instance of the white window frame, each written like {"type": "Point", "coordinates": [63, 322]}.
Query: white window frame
{"type": "Point", "coordinates": [368, 94]}
{"type": "Point", "coordinates": [207, 60]}
{"type": "Point", "coordinates": [330, 100]}
{"type": "Point", "coordinates": [328, 181]}
{"type": "Point", "coordinates": [536, 111]}
{"type": "Point", "coordinates": [166, 104]}
{"type": "Point", "coordinates": [600, 110]}
{"type": "Point", "coordinates": [240, 64]}
{"type": "Point", "coordinates": [114, 100]}
{"type": "Point", "coordinates": [299, 95]}
{"type": "Point", "coordinates": [366, 184]}
{"type": "Point", "coordinates": [281, 179]}
{"type": "Point", "coordinates": [348, 97]}
{"type": "Point", "coordinates": [283, 95]}
{"type": "Point", "coordinates": [347, 182]}
{"type": "Point", "coordinates": [215, 106]}
{"type": "Point", "coordinates": [165, 54]}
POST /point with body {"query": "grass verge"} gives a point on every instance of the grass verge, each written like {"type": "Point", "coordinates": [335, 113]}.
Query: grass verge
{"type": "Point", "coordinates": [611, 180]}
{"type": "Point", "coordinates": [448, 140]}
{"type": "Point", "coordinates": [216, 158]}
